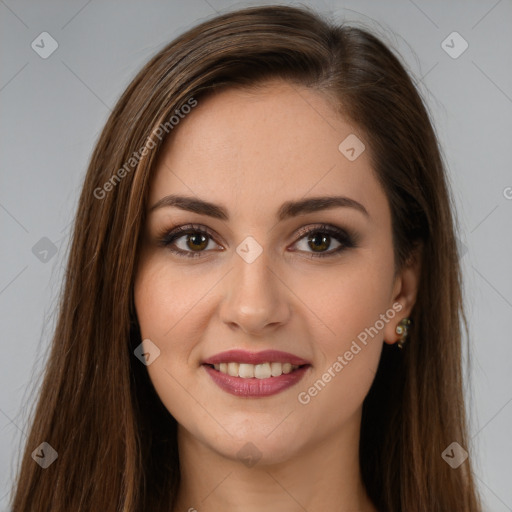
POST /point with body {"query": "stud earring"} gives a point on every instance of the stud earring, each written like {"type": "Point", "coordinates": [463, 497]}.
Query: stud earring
{"type": "Point", "coordinates": [403, 330]}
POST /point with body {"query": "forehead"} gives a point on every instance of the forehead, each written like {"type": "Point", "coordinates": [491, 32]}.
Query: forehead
{"type": "Point", "coordinates": [262, 146]}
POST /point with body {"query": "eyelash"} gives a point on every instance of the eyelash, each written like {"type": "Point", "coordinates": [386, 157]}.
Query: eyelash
{"type": "Point", "coordinates": [347, 240]}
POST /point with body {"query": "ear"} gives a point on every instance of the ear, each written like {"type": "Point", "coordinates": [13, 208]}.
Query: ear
{"type": "Point", "coordinates": [405, 290]}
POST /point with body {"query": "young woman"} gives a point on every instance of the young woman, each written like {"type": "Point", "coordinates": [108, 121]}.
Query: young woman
{"type": "Point", "coordinates": [262, 304]}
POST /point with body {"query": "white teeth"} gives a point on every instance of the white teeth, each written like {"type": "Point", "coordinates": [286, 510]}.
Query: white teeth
{"type": "Point", "coordinates": [262, 371]}
{"type": "Point", "coordinates": [246, 371]}
{"type": "Point", "coordinates": [276, 369]}
{"type": "Point", "coordinates": [259, 371]}
{"type": "Point", "coordinates": [233, 369]}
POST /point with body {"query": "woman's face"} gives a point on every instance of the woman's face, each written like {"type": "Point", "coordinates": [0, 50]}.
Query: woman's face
{"type": "Point", "coordinates": [272, 271]}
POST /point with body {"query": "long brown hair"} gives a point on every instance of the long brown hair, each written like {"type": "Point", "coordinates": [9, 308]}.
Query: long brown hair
{"type": "Point", "coordinates": [97, 408]}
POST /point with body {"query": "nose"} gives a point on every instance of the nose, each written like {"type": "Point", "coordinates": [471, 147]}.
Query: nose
{"type": "Point", "coordinates": [255, 298]}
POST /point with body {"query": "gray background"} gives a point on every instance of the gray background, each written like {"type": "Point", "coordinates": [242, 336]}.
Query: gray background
{"type": "Point", "coordinates": [53, 109]}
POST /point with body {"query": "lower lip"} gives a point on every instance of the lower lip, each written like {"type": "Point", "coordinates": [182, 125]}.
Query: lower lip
{"type": "Point", "coordinates": [253, 387]}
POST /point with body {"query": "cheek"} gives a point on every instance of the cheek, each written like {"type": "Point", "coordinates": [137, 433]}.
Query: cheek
{"type": "Point", "coordinates": [350, 297]}
{"type": "Point", "coordinates": [164, 302]}
{"type": "Point", "coordinates": [349, 302]}
{"type": "Point", "coordinates": [164, 298]}
{"type": "Point", "coordinates": [161, 305]}
{"type": "Point", "coordinates": [173, 311]}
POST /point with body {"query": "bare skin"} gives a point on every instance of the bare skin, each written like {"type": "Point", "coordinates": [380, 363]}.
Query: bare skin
{"type": "Point", "coordinates": [250, 152]}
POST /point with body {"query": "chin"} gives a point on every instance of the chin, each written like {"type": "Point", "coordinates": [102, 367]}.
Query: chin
{"type": "Point", "coordinates": [254, 446]}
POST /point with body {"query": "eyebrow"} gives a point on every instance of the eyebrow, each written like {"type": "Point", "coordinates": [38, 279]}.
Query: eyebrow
{"type": "Point", "coordinates": [288, 209]}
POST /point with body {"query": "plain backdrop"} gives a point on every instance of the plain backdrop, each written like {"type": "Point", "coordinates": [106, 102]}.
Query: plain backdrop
{"type": "Point", "coordinates": [52, 110]}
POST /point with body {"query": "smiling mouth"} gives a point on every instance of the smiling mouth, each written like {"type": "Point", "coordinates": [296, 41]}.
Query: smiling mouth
{"type": "Point", "coordinates": [258, 371]}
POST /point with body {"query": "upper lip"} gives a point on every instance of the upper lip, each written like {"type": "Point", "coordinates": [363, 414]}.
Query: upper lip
{"type": "Point", "coordinates": [265, 356]}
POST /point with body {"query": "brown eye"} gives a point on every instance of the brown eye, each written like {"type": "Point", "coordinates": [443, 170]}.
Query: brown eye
{"type": "Point", "coordinates": [188, 241]}
{"type": "Point", "coordinates": [319, 242]}
{"type": "Point", "coordinates": [319, 239]}
{"type": "Point", "coordinates": [197, 241]}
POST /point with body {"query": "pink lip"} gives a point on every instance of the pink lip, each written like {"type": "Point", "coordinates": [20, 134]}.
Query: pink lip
{"type": "Point", "coordinates": [266, 356]}
{"type": "Point", "coordinates": [253, 387]}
